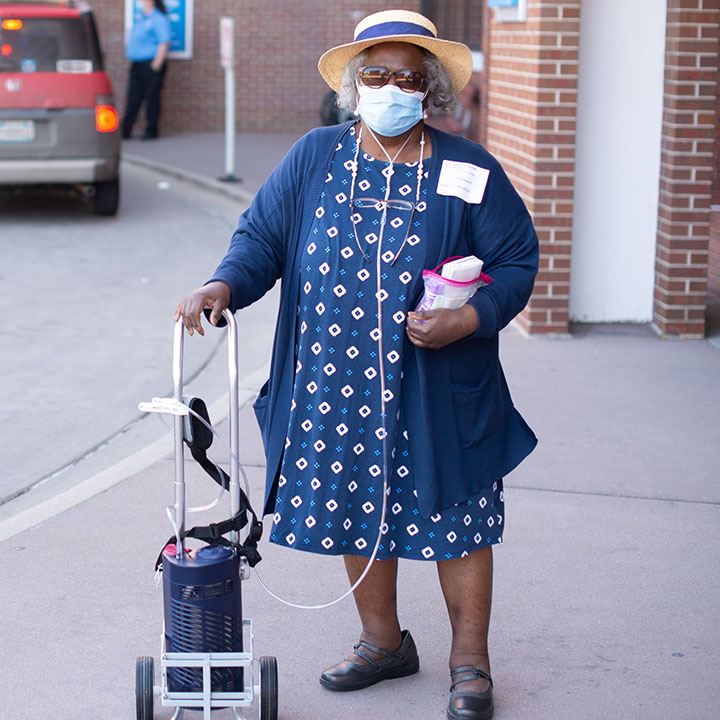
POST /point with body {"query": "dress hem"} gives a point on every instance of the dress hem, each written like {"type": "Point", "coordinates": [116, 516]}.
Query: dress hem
{"type": "Point", "coordinates": [391, 556]}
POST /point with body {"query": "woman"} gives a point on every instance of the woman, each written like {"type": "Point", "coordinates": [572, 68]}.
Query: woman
{"type": "Point", "coordinates": [370, 403]}
{"type": "Point", "coordinates": [147, 51]}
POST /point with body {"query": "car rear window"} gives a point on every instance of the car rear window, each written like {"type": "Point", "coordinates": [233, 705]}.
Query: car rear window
{"type": "Point", "coordinates": [51, 45]}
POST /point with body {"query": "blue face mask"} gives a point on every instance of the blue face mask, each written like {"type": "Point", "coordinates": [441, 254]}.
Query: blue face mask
{"type": "Point", "coordinates": [388, 110]}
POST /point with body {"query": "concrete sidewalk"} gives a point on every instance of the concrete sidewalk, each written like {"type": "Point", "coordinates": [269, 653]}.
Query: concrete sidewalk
{"type": "Point", "coordinates": [200, 158]}
{"type": "Point", "coordinates": [607, 585]}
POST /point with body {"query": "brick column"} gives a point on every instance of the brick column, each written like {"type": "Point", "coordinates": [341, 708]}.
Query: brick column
{"type": "Point", "coordinates": [532, 109]}
{"type": "Point", "coordinates": [713, 276]}
{"type": "Point", "coordinates": [687, 164]}
{"type": "Point", "coordinates": [713, 296]}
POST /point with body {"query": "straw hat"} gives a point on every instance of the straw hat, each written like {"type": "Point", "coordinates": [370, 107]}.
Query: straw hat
{"type": "Point", "coordinates": [398, 26]}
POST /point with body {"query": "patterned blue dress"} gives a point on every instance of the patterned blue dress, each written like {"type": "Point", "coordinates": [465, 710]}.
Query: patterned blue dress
{"type": "Point", "coordinates": [340, 445]}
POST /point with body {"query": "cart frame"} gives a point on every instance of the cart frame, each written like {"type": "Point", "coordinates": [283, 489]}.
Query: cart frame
{"type": "Point", "coordinates": [205, 699]}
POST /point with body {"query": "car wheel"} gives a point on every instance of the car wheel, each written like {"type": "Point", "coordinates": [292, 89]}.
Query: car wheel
{"type": "Point", "coordinates": [328, 109]}
{"type": "Point", "coordinates": [330, 113]}
{"type": "Point", "coordinates": [106, 198]}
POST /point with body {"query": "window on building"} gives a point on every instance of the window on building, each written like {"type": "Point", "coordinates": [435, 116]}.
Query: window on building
{"type": "Point", "coordinates": [458, 20]}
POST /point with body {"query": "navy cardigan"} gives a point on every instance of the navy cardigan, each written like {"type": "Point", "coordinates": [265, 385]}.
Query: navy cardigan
{"type": "Point", "coordinates": [464, 431]}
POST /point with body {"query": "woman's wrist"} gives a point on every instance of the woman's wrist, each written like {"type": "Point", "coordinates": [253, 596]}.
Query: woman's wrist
{"type": "Point", "coordinates": [469, 319]}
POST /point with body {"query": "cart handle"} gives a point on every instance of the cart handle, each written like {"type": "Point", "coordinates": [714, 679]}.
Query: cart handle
{"type": "Point", "coordinates": [233, 387]}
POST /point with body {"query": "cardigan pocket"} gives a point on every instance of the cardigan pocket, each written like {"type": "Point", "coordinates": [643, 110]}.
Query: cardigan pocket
{"type": "Point", "coordinates": [478, 410]}
{"type": "Point", "coordinates": [260, 406]}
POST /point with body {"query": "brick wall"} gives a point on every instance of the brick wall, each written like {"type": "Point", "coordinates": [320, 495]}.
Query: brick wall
{"type": "Point", "coordinates": [484, 79]}
{"type": "Point", "coordinates": [458, 20]}
{"type": "Point", "coordinates": [277, 46]}
{"type": "Point", "coordinates": [531, 121]}
{"type": "Point", "coordinates": [463, 21]}
{"type": "Point", "coordinates": [687, 166]}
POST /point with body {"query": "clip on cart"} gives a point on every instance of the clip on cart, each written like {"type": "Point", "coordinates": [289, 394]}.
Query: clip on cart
{"type": "Point", "coordinates": [207, 645]}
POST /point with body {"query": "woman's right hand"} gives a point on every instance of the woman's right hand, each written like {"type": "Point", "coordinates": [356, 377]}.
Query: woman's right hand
{"type": "Point", "coordinates": [215, 295]}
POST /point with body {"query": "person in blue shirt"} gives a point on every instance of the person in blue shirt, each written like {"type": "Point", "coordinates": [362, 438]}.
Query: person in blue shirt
{"type": "Point", "coordinates": [147, 51]}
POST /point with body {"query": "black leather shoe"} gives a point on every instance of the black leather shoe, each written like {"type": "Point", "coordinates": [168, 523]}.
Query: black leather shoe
{"type": "Point", "coordinates": [347, 675]}
{"type": "Point", "coordinates": [466, 705]}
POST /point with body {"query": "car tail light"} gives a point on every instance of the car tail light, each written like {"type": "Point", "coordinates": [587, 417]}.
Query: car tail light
{"type": "Point", "coordinates": [5, 49]}
{"type": "Point", "coordinates": [12, 24]}
{"type": "Point", "coordinates": [106, 118]}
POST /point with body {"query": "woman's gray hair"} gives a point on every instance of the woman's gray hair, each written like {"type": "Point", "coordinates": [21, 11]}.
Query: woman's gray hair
{"type": "Point", "coordinates": [440, 93]}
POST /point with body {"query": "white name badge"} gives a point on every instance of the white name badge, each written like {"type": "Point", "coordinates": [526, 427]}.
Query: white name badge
{"type": "Point", "coordinates": [463, 180]}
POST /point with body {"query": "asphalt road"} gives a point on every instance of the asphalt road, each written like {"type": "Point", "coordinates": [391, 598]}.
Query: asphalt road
{"type": "Point", "coordinates": [87, 304]}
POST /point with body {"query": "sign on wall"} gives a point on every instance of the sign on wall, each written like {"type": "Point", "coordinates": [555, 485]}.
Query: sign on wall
{"type": "Point", "coordinates": [509, 10]}
{"type": "Point", "coordinates": [180, 15]}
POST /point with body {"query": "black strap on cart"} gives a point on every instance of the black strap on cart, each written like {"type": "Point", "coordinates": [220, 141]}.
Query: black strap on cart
{"type": "Point", "coordinates": [198, 437]}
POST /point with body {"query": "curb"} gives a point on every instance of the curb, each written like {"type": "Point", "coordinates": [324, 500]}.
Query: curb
{"type": "Point", "coordinates": [129, 466]}
{"type": "Point", "coordinates": [227, 189]}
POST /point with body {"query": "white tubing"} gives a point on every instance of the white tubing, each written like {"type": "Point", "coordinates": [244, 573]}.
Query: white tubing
{"type": "Point", "coordinates": [234, 458]}
{"type": "Point", "coordinates": [381, 364]}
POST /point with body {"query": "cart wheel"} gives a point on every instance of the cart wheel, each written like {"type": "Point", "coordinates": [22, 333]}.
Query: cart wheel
{"type": "Point", "coordinates": [268, 688]}
{"type": "Point", "coordinates": [144, 691]}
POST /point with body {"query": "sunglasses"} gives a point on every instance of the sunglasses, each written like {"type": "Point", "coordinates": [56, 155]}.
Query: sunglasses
{"type": "Point", "coordinates": [374, 76]}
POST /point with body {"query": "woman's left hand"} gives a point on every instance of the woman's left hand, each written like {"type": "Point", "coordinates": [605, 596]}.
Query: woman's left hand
{"type": "Point", "coordinates": [434, 329]}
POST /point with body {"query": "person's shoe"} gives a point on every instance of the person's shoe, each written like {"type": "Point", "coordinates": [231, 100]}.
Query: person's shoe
{"type": "Point", "coordinates": [148, 136]}
{"type": "Point", "coordinates": [466, 705]}
{"type": "Point", "coordinates": [347, 675]}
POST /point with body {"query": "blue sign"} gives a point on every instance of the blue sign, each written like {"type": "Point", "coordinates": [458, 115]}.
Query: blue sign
{"type": "Point", "coordinates": [503, 3]}
{"type": "Point", "coordinates": [180, 14]}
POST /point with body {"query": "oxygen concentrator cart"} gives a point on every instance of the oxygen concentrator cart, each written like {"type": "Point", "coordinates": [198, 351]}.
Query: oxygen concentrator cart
{"type": "Point", "coordinates": [207, 646]}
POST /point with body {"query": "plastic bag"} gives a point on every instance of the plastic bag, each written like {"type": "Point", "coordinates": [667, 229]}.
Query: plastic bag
{"type": "Point", "coordinates": [443, 292]}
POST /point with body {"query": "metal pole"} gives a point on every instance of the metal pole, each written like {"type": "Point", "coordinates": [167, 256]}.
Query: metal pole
{"type": "Point", "coordinates": [233, 388]}
{"type": "Point", "coordinates": [179, 485]}
{"type": "Point", "coordinates": [227, 61]}
{"type": "Point", "coordinates": [230, 124]}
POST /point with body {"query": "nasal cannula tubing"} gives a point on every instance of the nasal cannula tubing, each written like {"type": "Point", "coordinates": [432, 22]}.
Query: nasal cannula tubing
{"type": "Point", "coordinates": [381, 363]}
{"type": "Point", "coordinates": [235, 459]}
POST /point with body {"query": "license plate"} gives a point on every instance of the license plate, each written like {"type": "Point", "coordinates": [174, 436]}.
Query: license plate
{"type": "Point", "coordinates": [17, 130]}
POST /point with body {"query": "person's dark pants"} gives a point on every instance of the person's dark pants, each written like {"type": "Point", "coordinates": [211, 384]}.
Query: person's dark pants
{"type": "Point", "coordinates": [144, 86]}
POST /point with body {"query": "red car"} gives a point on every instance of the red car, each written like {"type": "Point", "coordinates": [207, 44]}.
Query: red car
{"type": "Point", "coordinates": [58, 120]}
